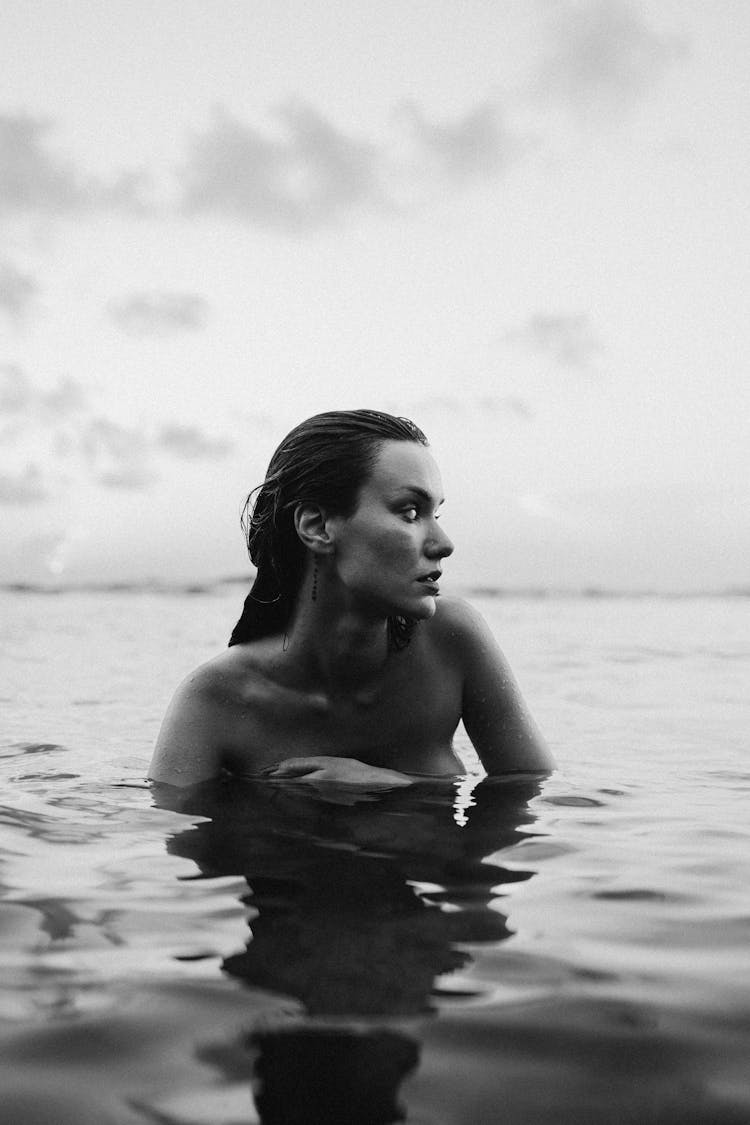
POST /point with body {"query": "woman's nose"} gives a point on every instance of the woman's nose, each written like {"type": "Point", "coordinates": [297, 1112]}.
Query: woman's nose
{"type": "Point", "coordinates": [440, 546]}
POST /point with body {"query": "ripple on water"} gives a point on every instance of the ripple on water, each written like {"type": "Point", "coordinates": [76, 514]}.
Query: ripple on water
{"type": "Point", "coordinates": [641, 894]}
{"type": "Point", "coordinates": [17, 749]}
{"type": "Point", "coordinates": [49, 776]}
{"type": "Point", "coordinates": [574, 801]}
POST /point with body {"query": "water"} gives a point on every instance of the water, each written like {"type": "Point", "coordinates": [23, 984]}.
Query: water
{"type": "Point", "coordinates": [467, 952]}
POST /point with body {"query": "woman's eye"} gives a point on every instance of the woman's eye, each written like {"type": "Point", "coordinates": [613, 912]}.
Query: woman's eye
{"type": "Point", "coordinates": [411, 513]}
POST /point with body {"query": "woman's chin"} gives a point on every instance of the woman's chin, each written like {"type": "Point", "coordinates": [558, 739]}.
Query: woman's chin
{"type": "Point", "coordinates": [423, 609]}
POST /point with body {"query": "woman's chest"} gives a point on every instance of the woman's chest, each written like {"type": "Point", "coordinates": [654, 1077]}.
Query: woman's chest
{"type": "Point", "coordinates": [400, 723]}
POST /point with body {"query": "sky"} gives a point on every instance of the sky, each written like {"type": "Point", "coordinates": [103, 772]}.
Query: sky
{"type": "Point", "coordinates": [522, 223]}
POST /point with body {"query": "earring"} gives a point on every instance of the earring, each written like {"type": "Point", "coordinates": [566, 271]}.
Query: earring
{"type": "Point", "coordinates": [315, 581]}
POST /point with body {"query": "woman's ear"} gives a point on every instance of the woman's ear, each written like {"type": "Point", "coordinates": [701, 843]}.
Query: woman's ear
{"type": "Point", "coordinates": [310, 523]}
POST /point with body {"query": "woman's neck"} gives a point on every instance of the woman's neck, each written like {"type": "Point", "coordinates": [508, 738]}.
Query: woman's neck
{"type": "Point", "coordinates": [335, 648]}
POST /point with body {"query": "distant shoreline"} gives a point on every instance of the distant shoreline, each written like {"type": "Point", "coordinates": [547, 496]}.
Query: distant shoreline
{"type": "Point", "coordinates": [536, 593]}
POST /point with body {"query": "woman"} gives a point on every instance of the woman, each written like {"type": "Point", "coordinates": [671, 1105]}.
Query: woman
{"type": "Point", "coordinates": [344, 666]}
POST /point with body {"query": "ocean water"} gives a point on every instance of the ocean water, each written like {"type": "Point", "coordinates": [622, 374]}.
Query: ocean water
{"type": "Point", "coordinates": [463, 952]}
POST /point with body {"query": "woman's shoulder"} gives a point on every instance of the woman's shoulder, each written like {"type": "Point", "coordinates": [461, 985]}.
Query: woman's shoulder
{"type": "Point", "coordinates": [457, 619]}
{"type": "Point", "coordinates": [457, 632]}
{"type": "Point", "coordinates": [222, 677]}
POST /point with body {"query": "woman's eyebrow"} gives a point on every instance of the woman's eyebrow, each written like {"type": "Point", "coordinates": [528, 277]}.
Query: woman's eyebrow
{"type": "Point", "coordinates": [422, 493]}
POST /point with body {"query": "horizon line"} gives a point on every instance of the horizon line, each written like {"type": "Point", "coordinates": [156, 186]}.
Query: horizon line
{"type": "Point", "coordinates": [534, 590]}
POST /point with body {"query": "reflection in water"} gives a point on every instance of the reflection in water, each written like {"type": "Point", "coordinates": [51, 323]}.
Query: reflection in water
{"type": "Point", "coordinates": [315, 1075]}
{"type": "Point", "coordinates": [359, 907]}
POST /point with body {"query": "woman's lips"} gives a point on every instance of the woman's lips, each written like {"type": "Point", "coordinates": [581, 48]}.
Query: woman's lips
{"type": "Point", "coordinates": [430, 581]}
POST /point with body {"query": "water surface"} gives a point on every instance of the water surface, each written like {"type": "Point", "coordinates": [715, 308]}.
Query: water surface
{"type": "Point", "coordinates": [459, 953]}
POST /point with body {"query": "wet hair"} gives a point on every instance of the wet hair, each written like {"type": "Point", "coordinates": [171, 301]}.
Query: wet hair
{"type": "Point", "coordinates": [325, 460]}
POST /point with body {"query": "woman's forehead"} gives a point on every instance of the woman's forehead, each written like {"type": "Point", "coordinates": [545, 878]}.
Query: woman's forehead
{"type": "Point", "coordinates": [403, 464]}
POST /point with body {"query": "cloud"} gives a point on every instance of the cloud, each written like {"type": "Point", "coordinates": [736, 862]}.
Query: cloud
{"type": "Point", "coordinates": [67, 397]}
{"type": "Point", "coordinates": [24, 488]}
{"type": "Point", "coordinates": [303, 173]}
{"type": "Point", "coordinates": [125, 456]}
{"type": "Point", "coordinates": [22, 400]}
{"type": "Point", "coordinates": [36, 179]}
{"type": "Point", "coordinates": [189, 443]}
{"type": "Point", "coordinates": [307, 173]}
{"type": "Point", "coordinates": [160, 314]}
{"type": "Point", "coordinates": [604, 58]}
{"type": "Point", "coordinates": [117, 456]}
{"type": "Point", "coordinates": [110, 454]}
{"type": "Point", "coordinates": [304, 177]}
{"type": "Point", "coordinates": [479, 144]}
{"type": "Point", "coordinates": [17, 290]}
{"type": "Point", "coordinates": [16, 392]}
{"type": "Point", "coordinates": [80, 446]}
{"type": "Point", "coordinates": [570, 340]}
{"type": "Point", "coordinates": [298, 172]}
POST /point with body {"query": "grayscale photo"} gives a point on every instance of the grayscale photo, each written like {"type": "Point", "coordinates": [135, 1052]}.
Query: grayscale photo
{"type": "Point", "coordinates": [374, 588]}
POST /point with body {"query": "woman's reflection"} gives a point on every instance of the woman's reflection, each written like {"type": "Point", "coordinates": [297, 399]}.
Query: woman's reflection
{"type": "Point", "coordinates": [361, 905]}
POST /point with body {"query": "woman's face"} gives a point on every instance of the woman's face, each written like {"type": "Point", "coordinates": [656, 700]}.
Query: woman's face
{"type": "Point", "coordinates": [388, 553]}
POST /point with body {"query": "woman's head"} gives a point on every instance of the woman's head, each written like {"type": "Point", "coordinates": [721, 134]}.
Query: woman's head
{"type": "Point", "coordinates": [324, 461]}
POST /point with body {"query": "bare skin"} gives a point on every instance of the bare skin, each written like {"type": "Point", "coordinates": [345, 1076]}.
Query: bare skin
{"type": "Point", "coordinates": [332, 701]}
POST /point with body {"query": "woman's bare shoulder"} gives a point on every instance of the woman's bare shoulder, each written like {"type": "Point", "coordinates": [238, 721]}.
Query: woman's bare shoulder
{"type": "Point", "coordinates": [201, 720]}
{"type": "Point", "coordinates": [215, 677]}
{"type": "Point", "coordinates": [457, 621]}
{"type": "Point", "coordinates": [224, 675]}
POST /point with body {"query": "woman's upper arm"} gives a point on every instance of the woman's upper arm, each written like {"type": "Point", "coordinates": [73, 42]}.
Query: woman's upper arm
{"type": "Point", "coordinates": [188, 746]}
{"type": "Point", "coordinates": [495, 716]}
